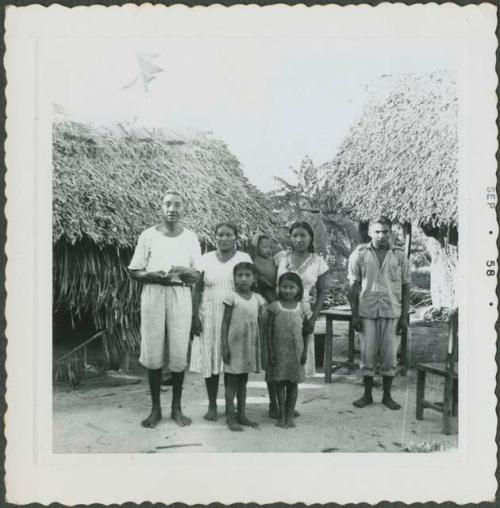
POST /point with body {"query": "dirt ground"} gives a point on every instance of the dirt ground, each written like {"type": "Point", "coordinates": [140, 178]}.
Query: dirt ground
{"type": "Point", "coordinates": [104, 415]}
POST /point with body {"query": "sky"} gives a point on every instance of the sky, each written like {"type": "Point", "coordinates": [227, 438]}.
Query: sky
{"type": "Point", "coordinates": [273, 100]}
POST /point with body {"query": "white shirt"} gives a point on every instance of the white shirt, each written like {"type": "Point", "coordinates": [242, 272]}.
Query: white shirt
{"type": "Point", "coordinates": [155, 251]}
{"type": "Point", "coordinates": [309, 271]}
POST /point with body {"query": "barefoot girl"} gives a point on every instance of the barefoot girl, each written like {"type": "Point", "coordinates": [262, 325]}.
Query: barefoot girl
{"type": "Point", "coordinates": [240, 337]}
{"type": "Point", "coordinates": [287, 342]}
{"type": "Point", "coordinates": [266, 270]}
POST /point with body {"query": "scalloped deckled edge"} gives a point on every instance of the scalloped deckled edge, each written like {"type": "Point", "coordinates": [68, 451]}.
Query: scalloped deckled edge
{"type": "Point", "coordinates": [12, 255]}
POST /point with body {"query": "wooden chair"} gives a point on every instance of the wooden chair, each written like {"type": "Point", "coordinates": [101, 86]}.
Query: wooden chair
{"type": "Point", "coordinates": [448, 370]}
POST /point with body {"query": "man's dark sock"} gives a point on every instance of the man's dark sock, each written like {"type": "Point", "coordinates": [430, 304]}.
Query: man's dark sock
{"type": "Point", "coordinates": [154, 377]}
{"type": "Point", "coordinates": [366, 399]}
{"type": "Point", "coordinates": [387, 399]}
{"type": "Point", "coordinates": [177, 414]}
{"type": "Point", "coordinates": [177, 383]}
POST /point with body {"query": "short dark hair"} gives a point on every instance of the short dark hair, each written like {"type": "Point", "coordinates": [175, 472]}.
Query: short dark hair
{"type": "Point", "coordinates": [383, 220]}
{"type": "Point", "coordinates": [243, 265]}
{"type": "Point", "coordinates": [262, 237]}
{"type": "Point", "coordinates": [173, 192]}
{"type": "Point", "coordinates": [229, 225]}
{"type": "Point", "coordinates": [308, 228]}
{"type": "Point", "coordinates": [295, 278]}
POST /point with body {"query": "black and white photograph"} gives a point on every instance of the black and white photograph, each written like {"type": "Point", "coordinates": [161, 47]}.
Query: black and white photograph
{"type": "Point", "coordinates": [258, 236]}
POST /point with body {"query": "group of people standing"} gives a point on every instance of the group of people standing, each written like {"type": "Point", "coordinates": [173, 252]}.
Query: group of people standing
{"type": "Point", "coordinates": [247, 313]}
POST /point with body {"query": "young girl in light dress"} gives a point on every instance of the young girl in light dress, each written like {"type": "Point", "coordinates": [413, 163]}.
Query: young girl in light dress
{"type": "Point", "coordinates": [240, 338]}
{"type": "Point", "coordinates": [287, 342]}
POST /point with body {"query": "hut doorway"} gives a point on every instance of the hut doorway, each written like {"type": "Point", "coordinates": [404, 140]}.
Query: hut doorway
{"type": "Point", "coordinates": [68, 332]}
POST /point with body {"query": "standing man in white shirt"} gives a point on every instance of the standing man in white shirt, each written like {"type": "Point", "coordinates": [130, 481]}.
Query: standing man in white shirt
{"type": "Point", "coordinates": [164, 262]}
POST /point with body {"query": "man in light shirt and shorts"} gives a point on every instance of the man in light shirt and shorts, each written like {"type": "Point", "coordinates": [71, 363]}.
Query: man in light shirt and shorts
{"type": "Point", "coordinates": [164, 262]}
{"type": "Point", "coordinates": [379, 278]}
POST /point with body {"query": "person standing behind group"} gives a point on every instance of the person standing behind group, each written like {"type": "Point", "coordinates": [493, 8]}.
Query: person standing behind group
{"type": "Point", "coordinates": [266, 271]}
{"type": "Point", "coordinates": [164, 261]}
{"type": "Point", "coordinates": [379, 278]}
{"type": "Point", "coordinates": [214, 285]}
{"type": "Point", "coordinates": [265, 266]}
{"type": "Point", "coordinates": [312, 269]}
{"type": "Point", "coordinates": [241, 342]}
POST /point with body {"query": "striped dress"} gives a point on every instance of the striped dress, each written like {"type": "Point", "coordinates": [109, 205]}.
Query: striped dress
{"type": "Point", "coordinates": [206, 354]}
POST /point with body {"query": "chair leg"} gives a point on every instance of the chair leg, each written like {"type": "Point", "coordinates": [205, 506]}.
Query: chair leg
{"type": "Point", "coordinates": [454, 409]}
{"type": "Point", "coordinates": [447, 405]}
{"type": "Point", "coordinates": [420, 394]}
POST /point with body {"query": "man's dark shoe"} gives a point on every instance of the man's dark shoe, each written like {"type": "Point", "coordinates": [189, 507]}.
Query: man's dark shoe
{"type": "Point", "coordinates": [363, 401]}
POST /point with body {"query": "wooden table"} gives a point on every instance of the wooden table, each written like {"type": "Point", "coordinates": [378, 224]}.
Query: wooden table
{"type": "Point", "coordinates": [344, 314]}
{"type": "Point", "coordinates": [336, 314]}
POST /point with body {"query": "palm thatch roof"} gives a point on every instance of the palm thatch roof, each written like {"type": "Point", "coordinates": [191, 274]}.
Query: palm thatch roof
{"type": "Point", "coordinates": [107, 188]}
{"type": "Point", "coordinates": [108, 184]}
{"type": "Point", "coordinates": [400, 158]}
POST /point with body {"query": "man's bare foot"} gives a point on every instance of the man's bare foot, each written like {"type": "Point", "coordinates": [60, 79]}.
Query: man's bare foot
{"type": "Point", "coordinates": [233, 426]}
{"type": "Point", "coordinates": [273, 411]}
{"type": "Point", "coordinates": [179, 418]}
{"type": "Point", "coordinates": [211, 414]}
{"type": "Point", "coordinates": [296, 413]}
{"type": "Point", "coordinates": [246, 422]}
{"type": "Point", "coordinates": [290, 422]}
{"type": "Point", "coordinates": [281, 423]}
{"type": "Point", "coordinates": [151, 421]}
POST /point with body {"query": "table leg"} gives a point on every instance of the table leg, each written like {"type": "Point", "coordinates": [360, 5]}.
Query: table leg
{"type": "Point", "coordinates": [404, 348]}
{"type": "Point", "coordinates": [328, 350]}
{"type": "Point", "coordinates": [351, 343]}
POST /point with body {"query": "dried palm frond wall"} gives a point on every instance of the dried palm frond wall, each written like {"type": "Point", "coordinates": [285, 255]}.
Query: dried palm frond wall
{"type": "Point", "coordinates": [89, 280]}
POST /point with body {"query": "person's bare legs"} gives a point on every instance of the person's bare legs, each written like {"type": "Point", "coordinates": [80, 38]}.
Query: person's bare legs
{"type": "Point", "coordinates": [280, 393]}
{"type": "Point", "coordinates": [241, 395]}
{"type": "Point", "coordinates": [292, 391]}
{"type": "Point", "coordinates": [177, 414]}
{"type": "Point", "coordinates": [230, 382]}
{"type": "Point", "coordinates": [154, 377]}
{"type": "Point", "coordinates": [212, 385]}
{"type": "Point", "coordinates": [273, 399]}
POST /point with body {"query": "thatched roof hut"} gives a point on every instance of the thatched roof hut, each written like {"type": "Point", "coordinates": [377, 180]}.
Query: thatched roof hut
{"type": "Point", "coordinates": [107, 188]}
{"type": "Point", "coordinates": [400, 158]}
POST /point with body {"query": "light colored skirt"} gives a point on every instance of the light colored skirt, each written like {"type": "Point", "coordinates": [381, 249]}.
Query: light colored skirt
{"type": "Point", "coordinates": [310, 366]}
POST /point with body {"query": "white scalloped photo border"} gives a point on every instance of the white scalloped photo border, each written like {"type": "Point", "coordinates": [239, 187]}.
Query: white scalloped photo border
{"type": "Point", "coordinates": [35, 474]}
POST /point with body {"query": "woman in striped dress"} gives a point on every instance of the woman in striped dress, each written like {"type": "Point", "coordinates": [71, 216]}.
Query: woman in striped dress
{"type": "Point", "coordinates": [215, 284]}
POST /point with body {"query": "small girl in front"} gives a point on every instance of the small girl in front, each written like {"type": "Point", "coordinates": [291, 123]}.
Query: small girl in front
{"type": "Point", "coordinates": [287, 344]}
{"type": "Point", "coordinates": [240, 342]}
